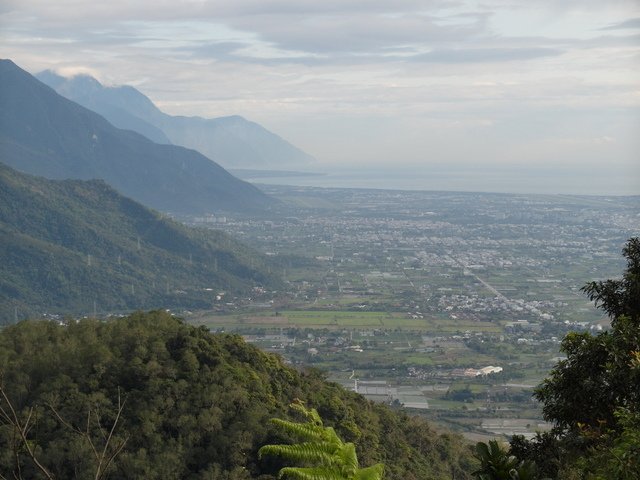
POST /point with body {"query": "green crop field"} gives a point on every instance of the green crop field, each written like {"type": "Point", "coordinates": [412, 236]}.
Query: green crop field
{"type": "Point", "coordinates": [346, 319]}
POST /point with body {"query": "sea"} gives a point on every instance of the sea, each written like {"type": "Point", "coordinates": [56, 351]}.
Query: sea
{"type": "Point", "coordinates": [472, 180]}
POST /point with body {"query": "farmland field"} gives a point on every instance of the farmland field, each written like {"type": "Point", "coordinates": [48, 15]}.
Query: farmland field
{"type": "Point", "coordinates": [407, 296]}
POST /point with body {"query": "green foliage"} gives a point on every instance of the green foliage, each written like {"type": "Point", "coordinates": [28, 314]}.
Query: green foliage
{"type": "Point", "coordinates": [593, 397]}
{"type": "Point", "coordinates": [497, 464]}
{"type": "Point", "coordinates": [599, 375]}
{"type": "Point", "coordinates": [620, 297]}
{"type": "Point", "coordinates": [196, 405]}
{"type": "Point", "coordinates": [618, 454]}
{"type": "Point", "coordinates": [330, 458]}
{"type": "Point", "coordinates": [546, 451]}
{"type": "Point", "coordinates": [67, 246]}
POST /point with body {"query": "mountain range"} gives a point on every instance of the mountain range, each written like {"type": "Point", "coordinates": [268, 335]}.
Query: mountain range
{"type": "Point", "coordinates": [45, 134]}
{"type": "Point", "coordinates": [232, 141]}
{"type": "Point", "coordinates": [66, 244]}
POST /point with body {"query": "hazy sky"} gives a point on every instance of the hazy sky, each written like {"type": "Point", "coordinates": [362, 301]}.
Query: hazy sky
{"type": "Point", "coordinates": [546, 85]}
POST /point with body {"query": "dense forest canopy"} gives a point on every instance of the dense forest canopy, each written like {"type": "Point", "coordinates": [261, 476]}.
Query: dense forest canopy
{"type": "Point", "coordinates": [193, 405]}
{"type": "Point", "coordinates": [77, 247]}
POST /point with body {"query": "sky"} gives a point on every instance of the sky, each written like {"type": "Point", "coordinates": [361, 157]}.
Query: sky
{"type": "Point", "coordinates": [544, 95]}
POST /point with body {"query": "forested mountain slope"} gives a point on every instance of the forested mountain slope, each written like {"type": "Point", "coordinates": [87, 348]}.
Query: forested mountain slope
{"type": "Point", "coordinates": [194, 405]}
{"type": "Point", "coordinates": [71, 246]}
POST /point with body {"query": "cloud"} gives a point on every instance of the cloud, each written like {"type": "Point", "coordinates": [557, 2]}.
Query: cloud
{"type": "Point", "coordinates": [364, 33]}
{"type": "Point", "coordinates": [632, 23]}
{"type": "Point", "coordinates": [213, 9]}
{"type": "Point", "coordinates": [77, 71]}
{"type": "Point", "coordinates": [220, 50]}
{"type": "Point", "coordinates": [305, 32]}
{"type": "Point", "coordinates": [367, 80]}
{"type": "Point", "coordinates": [483, 55]}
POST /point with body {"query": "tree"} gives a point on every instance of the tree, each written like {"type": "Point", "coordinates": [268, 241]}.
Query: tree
{"type": "Point", "coordinates": [497, 464]}
{"type": "Point", "coordinates": [20, 435]}
{"type": "Point", "coordinates": [593, 397]}
{"type": "Point", "coordinates": [620, 297]}
{"type": "Point", "coordinates": [600, 374]}
{"type": "Point", "coordinates": [618, 455]}
{"type": "Point", "coordinates": [197, 405]}
{"type": "Point", "coordinates": [104, 451]}
{"type": "Point", "coordinates": [325, 455]}
{"type": "Point", "coordinates": [545, 450]}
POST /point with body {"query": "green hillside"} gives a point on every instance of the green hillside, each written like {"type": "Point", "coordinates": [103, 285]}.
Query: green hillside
{"type": "Point", "coordinates": [67, 246]}
{"type": "Point", "coordinates": [194, 406]}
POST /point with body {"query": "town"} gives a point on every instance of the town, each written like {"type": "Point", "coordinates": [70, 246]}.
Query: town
{"type": "Point", "coordinates": [451, 304]}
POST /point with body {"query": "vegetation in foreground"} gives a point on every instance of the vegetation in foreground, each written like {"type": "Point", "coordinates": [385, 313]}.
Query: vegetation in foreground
{"type": "Point", "coordinates": [322, 452]}
{"type": "Point", "coordinates": [165, 400]}
{"type": "Point", "coordinates": [593, 397]}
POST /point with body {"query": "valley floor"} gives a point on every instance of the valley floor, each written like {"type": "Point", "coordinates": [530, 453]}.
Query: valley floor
{"type": "Point", "coordinates": [409, 297]}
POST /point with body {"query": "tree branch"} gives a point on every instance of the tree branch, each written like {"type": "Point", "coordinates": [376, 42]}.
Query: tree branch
{"type": "Point", "coordinates": [22, 429]}
{"type": "Point", "coordinates": [99, 471]}
{"type": "Point", "coordinates": [77, 430]}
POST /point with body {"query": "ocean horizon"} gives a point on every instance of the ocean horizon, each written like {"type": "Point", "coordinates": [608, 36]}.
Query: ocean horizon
{"type": "Point", "coordinates": [513, 182]}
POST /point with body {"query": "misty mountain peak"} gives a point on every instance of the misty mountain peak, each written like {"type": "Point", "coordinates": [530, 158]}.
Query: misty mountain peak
{"type": "Point", "coordinates": [232, 141]}
{"type": "Point", "coordinates": [45, 134]}
{"type": "Point", "coordinates": [82, 84]}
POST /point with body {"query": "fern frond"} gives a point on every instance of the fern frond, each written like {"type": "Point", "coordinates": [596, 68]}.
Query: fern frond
{"type": "Point", "coordinates": [322, 453]}
{"type": "Point", "coordinates": [305, 431]}
{"type": "Point", "coordinates": [374, 472]}
{"type": "Point", "coordinates": [348, 460]}
{"type": "Point", "coordinates": [333, 459]}
{"type": "Point", "coordinates": [310, 413]}
{"type": "Point", "coordinates": [331, 436]}
{"type": "Point", "coordinates": [310, 474]}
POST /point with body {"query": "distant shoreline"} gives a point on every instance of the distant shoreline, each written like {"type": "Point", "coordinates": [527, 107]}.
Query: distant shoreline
{"type": "Point", "coordinates": [514, 181]}
{"type": "Point", "coordinates": [246, 174]}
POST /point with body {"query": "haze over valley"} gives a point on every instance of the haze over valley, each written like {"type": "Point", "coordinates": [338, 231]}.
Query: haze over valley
{"type": "Point", "coordinates": [339, 240]}
{"type": "Point", "coordinates": [541, 97]}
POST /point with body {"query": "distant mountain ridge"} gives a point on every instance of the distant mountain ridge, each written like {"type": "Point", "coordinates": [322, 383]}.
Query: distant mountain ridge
{"type": "Point", "coordinates": [67, 244]}
{"type": "Point", "coordinates": [45, 134]}
{"type": "Point", "coordinates": [107, 102]}
{"type": "Point", "coordinates": [232, 141]}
